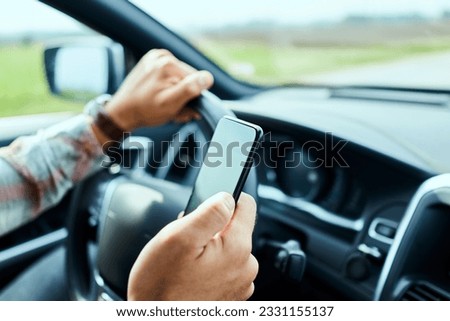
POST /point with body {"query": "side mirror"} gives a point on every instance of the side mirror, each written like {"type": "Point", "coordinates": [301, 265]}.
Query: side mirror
{"type": "Point", "coordinates": [83, 71]}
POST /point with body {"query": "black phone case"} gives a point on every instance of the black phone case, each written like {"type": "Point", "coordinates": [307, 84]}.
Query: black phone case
{"type": "Point", "coordinates": [248, 164]}
{"type": "Point", "coordinates": [251, 156]}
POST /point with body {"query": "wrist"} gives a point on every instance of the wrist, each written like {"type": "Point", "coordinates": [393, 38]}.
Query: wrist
{"type": "Point", "coordinates": [106, 129]}
{"type": "Point", "coordinates": [102, 139]}
{"type": "Point", "coordinates": [120, 114]}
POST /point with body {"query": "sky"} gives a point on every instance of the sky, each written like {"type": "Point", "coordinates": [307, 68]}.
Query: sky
{"type": "Point", "coordinates": [216, 13]}
{"type": "Point", "coordinates": [17, 16]}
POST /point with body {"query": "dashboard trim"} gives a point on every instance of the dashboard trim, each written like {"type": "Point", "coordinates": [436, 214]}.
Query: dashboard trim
{"type": "Point", "coordinates": [438, 186]}
{"type": "Point", "coordinates": [274, 194]}
{"type": "Point", "coordinates": [375, 235]}
{"type": "Point", "coordinates": [9, 256]}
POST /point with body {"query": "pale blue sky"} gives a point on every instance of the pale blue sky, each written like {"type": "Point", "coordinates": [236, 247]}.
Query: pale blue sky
{"type": "Point", "coordinates": [179, 14]}
{"type": "Point", "coordinates": [25, 15]}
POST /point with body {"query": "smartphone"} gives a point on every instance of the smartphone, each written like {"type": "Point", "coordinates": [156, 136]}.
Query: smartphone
{"type": "Point", "coordinates": [227, 162]}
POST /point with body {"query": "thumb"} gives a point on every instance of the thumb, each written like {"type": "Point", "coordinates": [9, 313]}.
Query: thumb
{"type": "Point", "coordinates": [209, 218]}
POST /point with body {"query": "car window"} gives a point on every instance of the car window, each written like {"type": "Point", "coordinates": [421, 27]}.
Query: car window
{"type": "Point", "coordinates": [402, 43]}
{"type": "Point", "coordinates": [26, 26]}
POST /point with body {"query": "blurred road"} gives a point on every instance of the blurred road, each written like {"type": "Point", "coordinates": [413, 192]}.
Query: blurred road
{"type": "Point", "coordinates": [428, 71]}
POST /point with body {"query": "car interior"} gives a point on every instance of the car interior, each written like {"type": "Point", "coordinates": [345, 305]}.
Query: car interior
{"type": "Point", "coordinates": [352, 183]}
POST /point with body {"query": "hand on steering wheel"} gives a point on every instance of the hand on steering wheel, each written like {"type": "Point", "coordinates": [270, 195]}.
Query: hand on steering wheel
{"type": "Point", "coordinates": [156, 92]}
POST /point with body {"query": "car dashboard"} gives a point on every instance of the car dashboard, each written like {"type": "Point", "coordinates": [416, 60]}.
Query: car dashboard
{"type": "Point", "coordinates": [337, 170]}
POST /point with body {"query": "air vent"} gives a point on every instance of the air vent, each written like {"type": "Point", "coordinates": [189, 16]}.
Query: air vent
{"type": "Point", "coordinates": [424, 292]}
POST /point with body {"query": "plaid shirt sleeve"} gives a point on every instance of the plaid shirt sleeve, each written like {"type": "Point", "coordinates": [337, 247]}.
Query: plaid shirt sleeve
{"type": "Point", "coordinates": [36, 171]}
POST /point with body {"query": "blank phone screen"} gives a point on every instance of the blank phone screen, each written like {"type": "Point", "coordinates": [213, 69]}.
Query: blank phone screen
{"type": "Point", "coordinates": [225, 161]}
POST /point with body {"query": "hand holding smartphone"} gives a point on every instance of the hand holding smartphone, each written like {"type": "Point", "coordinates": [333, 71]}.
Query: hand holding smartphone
{"type": "Point", "coordinates": [227, 162]}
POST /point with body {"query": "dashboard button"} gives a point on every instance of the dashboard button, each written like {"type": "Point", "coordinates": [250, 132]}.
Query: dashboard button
{"type": "Point", "coordinates": [385, 230]}
{"type": "Point", "coordinates": [357, 267]}
{"type": "Point", "coordinates": [372, 252]}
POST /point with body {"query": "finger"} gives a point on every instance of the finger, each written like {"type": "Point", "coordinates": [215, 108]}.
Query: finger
{"type": "Point", "coordinates": [183, 119]}
{"type": "Point", "coordinates": [248, 292]}
{"type": "Point", "coordinates": [169, 66]}
{"type": "Point", "coordinates": [243, 220]}
{"type": "Point", "coordinates": [173, 80]}
{"type": "Point", "coordinates": [184, 67]}
{"type": "Point", "coordinates": [188, 88]}
{"type": "Point", "coordinates": [187, 68]}
{"type": "Point", "coordinates": [152, 57]}
{"type": "Point", "coordinates": [211, 217]}
{"type": "Point", "coordinates": [253, 268]}
{"type": "Point", "coordinates": [186, 114]}
{"type": "Point", "coordinates": [156, 53]}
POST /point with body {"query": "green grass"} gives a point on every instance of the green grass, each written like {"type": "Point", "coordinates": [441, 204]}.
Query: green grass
{"type": "Point", "coordinates": [23, 88]}
{"type": "Point", "coordinates": [288, 64]}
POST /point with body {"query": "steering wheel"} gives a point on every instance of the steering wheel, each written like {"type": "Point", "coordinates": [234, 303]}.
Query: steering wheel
{"type": "Point", "coordinates": [113, 216]}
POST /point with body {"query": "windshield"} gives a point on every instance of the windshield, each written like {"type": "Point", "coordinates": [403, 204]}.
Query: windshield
{"type": "Point", "coordinates": [401, 43]}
